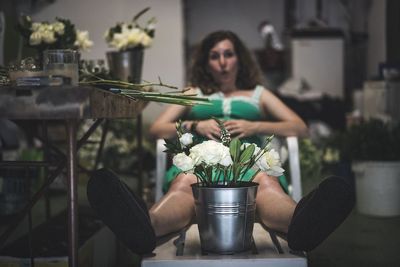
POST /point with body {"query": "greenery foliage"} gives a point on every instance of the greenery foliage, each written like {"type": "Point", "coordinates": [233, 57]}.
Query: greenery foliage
{"type": "Point", "coordinates": [371, 140]}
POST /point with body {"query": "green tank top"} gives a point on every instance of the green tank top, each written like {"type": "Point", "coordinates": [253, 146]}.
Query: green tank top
{"type": "Point", "coordinates": [227, 108]}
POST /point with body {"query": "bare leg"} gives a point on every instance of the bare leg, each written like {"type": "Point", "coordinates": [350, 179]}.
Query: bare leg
{"type": "Point", "coordinates": [275, 208]}
{"type": "Point", "coordinates": [175, 209]}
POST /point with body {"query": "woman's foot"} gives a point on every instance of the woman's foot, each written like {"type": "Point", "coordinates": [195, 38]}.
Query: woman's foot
{"type": "Point", "coordinates": [122, 211]}
{"type": "Point", "coordinates": [319, 213]}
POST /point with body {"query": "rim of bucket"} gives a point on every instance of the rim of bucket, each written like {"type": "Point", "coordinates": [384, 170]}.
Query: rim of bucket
{"type": "Point", "coordinates": [237, 185]}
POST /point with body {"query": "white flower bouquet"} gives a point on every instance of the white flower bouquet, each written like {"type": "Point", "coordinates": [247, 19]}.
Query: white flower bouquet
{"type": "Point", "coordinates": [124, 36]}
{"type": "Point", "coordinates": [60, 34]}
{"type": "Point", "coordinates": [224, 163]}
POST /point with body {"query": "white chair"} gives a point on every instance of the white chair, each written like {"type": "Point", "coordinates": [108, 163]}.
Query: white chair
{"type": "Point", "coordinates": [184, 249]}
{"type": "Point", "coordinates": [294, 165]}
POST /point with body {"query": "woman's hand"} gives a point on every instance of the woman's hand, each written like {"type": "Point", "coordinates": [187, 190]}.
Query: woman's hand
{"type": "Point", "coordinates": [209, 128]}
{"type": "Point", "coordinates": [241, 128]}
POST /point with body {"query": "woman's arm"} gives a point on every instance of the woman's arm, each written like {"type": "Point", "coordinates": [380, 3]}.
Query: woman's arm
{"type": "Point", "coordinates": [287, 123]}
{"type": "Point", "coordinates": [164, 125]}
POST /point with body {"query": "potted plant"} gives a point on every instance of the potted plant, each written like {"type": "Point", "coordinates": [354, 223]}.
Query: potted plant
{"type": "Point", "coordinates": [224, 200]}
{"type": "Point", "coordinates": [57, 45]}
{"type": "Point", "coordinates": [129, 41]}
{"type": "Point", "coordinates": [374, 150]}
{"type": "Point", "coordinates": [60, 34]}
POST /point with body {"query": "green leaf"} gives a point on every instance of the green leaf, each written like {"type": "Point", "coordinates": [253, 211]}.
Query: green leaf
{"type": "Point", "coordinates": [234, 149]}
{"type": "Point", "coordinates": [138, 15]}
{"type": "Point", "coordinates": [247, 153]}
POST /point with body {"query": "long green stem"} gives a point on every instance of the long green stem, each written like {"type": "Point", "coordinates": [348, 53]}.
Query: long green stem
{"type": "Point", "coordinates": [136, 92]}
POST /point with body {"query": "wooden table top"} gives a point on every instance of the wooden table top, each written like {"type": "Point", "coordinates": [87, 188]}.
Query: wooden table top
{"type": "Point", "coordinates": [65, 102]}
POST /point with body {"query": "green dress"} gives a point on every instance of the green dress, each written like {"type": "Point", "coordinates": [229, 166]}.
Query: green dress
{"type": "Point", "coordinates": [225, 108]}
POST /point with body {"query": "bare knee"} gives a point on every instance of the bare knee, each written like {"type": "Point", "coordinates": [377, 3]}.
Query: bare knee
{"type": "Point", "coordinates": [267, 182]}
{"type": "Point", "coordinates": [182, 183]}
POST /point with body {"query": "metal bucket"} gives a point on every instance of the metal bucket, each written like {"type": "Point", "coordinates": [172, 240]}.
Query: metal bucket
{"type": "Point", "coordinates": [225, 217]}
{"type": "Point", "coordinates": [126, 65]}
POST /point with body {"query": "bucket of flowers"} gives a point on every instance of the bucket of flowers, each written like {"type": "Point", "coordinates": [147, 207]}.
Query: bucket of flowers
{"type": "Point", "coordinates": [224, 193]}
{"type": "Point", "coordinates": [129, 39]}
{"type": "Point", "coordinates": [60, 38]}
{"type": "Point", "coordinates": [60, 34]}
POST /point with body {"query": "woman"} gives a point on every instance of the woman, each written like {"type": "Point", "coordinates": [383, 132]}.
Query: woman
{"type": "Point", "coordinates": [224, 71]}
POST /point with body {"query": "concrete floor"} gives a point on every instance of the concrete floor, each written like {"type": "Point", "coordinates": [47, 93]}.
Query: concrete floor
{"type": "Point", "coordinates": [360, 241]}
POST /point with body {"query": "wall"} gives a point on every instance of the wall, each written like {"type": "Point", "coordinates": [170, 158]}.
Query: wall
{"type": "Point", "coordinates": [242, 17]}
{"type": "Point", "coordinates": [164, 59]}
{"type": "Point", "coordinates": [376, 37]}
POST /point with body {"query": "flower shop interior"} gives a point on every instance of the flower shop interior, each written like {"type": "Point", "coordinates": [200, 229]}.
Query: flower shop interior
{"type": "Point", "coordinates": [334, 62]}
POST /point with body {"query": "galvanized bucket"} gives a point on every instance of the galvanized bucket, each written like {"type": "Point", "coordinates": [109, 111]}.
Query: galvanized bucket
{"type": "Point", "coordinates": [126, 65]}
{"type": "Point", "coordinates": [225, 217]}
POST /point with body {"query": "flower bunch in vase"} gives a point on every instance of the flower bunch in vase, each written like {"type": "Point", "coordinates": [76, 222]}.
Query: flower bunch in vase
{"type": "Point", "coordinates": [60, 34]}
{"type": "Point", "coordinates": [222, 163]}
{"type": "Point", "coordinates": [129, 35]}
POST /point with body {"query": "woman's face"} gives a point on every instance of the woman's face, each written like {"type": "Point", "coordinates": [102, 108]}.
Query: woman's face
{"type": "Point", "coordinates": [223, 63]}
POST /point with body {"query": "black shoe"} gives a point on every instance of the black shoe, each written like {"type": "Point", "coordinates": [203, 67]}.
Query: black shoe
{"type": "Point", "coordinates": [122, 211]}
{"type": "Point", "coordinates": [319, 213]}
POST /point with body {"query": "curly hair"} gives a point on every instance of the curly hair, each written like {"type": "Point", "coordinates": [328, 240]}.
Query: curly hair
{"type": "Point", "coordinates": [248, 72]}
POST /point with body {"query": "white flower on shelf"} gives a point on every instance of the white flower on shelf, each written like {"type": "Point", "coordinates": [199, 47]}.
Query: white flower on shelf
{"type": "Point", "coordinates": [60, 34]}
{"type": "Point", "coordinates": [124, 36]}
{"type": "Point", "coordinates": [82, 40]}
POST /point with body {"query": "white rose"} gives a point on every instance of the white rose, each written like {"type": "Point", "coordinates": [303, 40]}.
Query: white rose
{"type": "Point", "coordinates": [48, 37]}
{"type": "Point", "coordinates": [146, 40]}
{"type": "Point", "coordinates": [43, 27]}
{"type": "Point", "coordinates": [270, 163]}
{"type": "Point", "coordinates": [82, 40]}
{"type": "Point", "coordinates": [183, 162]}
{"type": "Point", "coordinates": [134, 37]}
{"type": "Point", "coordinates": [275, 171]}
{"type": "Point", "coordinates": [226, 160]}
{"type": "Point", "coordinates": [196, 155]}
{"type": "Point", "coordinates": [118, 41]}
{"type": "Point", "coordinates": [58, 27]}
{"type": "Point", "coordinates": [35, 38]}
{"type": "Point", "coordinates": [210, 152]}
{"type": "Point", "coordinates": [186, 139]}
{"type": "Point", "coordinates": [35, 26]}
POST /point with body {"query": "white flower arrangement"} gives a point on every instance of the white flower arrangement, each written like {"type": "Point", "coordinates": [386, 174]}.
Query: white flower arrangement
{"type": "Point", "coordinates": [82, 40]}
{"type": "Point", "coordinates": [60, 34]}
{"type": "Point", "coordinates": [222, 163]}
{"type": "Point", "coordinates": [124, 36]}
